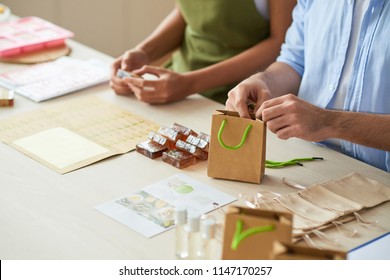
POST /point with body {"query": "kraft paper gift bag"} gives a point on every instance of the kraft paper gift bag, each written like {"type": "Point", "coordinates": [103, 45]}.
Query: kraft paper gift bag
{"type": "Point", "coordinates": [249, 233]}
{"type": "Point", "coordinates": [237, 148]}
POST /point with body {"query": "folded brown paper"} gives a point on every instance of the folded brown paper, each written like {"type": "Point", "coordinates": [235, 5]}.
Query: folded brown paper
{"type": "Point", "coordinates": [249, 233]}
{"type": "Point", "coordinates": [237, 148]}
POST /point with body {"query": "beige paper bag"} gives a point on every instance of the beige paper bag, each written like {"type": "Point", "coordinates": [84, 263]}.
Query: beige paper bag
{"type": "Point", "coordinates": [249, 233]}
{"type": "Point", "coordinates": [237, 148]}
{"type": "Point", "coordinates": [360, 189]}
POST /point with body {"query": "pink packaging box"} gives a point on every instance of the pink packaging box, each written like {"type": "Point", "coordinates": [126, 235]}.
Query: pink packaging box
{"type": "Point", "coordinates": [29, 34]}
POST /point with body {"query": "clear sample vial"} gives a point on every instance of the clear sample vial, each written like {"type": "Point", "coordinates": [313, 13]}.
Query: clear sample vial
{"type": "Point", "coordinates": [181, 235]}
{"type": "Point", "coordinates": [211, 246]}
{"type": "Point", "coordinates": [195, 248]}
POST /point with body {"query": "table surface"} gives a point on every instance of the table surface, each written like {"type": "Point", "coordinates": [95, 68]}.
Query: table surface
{"type": "Point", "coordinates": [45, 215]}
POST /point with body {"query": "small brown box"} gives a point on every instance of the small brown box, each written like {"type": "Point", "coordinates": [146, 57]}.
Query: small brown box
{"type": "Point", "coordinates": [6, 97]}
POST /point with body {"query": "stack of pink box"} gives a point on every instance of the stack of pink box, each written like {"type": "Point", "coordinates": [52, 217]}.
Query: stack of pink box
{"type": "Point", "coordinates": [30, 34]}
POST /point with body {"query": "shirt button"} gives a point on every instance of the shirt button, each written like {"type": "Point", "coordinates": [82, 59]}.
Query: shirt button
{"type": "Point", "coordinates": [331, 87]}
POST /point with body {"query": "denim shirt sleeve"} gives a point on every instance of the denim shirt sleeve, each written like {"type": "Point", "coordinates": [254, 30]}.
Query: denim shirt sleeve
{"type": "Point", "coordinates": [292, 51]}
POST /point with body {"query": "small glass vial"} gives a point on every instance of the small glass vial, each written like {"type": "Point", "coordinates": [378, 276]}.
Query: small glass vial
{"type": "Point", "coordinates": [211, 246]}
{"type": "Point", "coordinates": [195, 247]}
{"type": "Point", "coordinates": [181, 236]}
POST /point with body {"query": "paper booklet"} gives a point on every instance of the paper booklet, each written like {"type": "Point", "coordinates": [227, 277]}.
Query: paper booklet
{"type": "Point", "coordinates": [152, 210]}
{"type": "Point", "coordinates": [48, 80]}
{"type": "Point", "coordinates": [75, 133]}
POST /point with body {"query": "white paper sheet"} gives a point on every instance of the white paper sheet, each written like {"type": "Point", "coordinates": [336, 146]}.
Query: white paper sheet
{"type": "Point", "coordinates": [152, 210]}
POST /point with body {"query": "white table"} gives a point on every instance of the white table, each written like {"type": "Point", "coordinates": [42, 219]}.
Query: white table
{"type": "Point", "coordinates": [44, 215]}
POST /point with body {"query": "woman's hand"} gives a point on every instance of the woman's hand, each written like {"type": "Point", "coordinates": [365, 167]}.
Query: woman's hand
{"type": "Point", "coordinates": [167, 87]}
{"type": "Point", "coordinates": [129, 61]}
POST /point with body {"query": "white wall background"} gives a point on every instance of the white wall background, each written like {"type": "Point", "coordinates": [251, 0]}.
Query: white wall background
{"type": "Point", "coordinates": [110, 26]}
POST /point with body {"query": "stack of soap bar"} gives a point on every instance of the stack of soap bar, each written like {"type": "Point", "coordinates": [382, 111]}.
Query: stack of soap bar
{"type": "Point", "coordinates": [178, 145]}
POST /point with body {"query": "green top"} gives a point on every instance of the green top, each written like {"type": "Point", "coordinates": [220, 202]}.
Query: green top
{"type": "Point", "coordinates": [217, 30]}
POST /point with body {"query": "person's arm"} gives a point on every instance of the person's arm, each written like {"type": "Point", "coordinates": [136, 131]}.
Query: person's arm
{"type": "Point", "coordinates": [289, 116]}
{"type": "Point", "coordinates": [257, 58]}
{"type": "Point", "coordinates": [371, 130]}
{"type": "Point", "coordinates": [166, 37]}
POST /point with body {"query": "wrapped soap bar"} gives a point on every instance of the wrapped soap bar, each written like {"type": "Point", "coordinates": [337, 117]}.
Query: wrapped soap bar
{"type": "Point", "coordinates": [198, 142]}
{"type": "Point", "coordinates": [6, 97]}
{"type": "Point", "coordinates": [124, 74]}
{"type": "Point", "coordinates": [179, 159]}
{"type": "Point", "coordinates": [162, 140]}
{"type": "Point", "coordinates": [184, 131]}
{"type": "Point", "coordinates": [192, 149]}
{"type": "Point", "coordinates": [169, 133]}
{"type": "Point", "coordinates": [150, 149]}
{"type": "Point", "coordinates": [204, 136]}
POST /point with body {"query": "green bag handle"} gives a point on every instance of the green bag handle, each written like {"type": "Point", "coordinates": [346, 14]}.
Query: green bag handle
{"type": "Point", "coordinates": [295, 161]}
{"type": "Point", "coordinates": [240, 235]}
{"type": "Point", "coordinates": [243, 139]}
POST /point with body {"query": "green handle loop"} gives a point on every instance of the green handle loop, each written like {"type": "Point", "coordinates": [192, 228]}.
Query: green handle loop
{"type": "Point", "coordinates": [295, 161]}
{"type": "Point", "coordinates": [243, 139]}
{"type": "Point", "coordinates": [240, 235]}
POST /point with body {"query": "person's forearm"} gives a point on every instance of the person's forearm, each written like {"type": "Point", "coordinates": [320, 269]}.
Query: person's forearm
{"type": "Point", "coordinates": [166, 37]}
{"type": "Point", "coordinates": [371, 130]}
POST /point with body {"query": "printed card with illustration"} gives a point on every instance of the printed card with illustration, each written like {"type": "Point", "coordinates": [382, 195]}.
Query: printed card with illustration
{"type": "Point", "coordinates": [151, 211]}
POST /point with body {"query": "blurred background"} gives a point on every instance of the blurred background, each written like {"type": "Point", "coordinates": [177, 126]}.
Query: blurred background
{"type": "Point", "coordinates": [109, 26]}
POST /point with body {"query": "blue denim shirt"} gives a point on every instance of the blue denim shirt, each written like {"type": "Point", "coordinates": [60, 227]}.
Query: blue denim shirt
{"type": "Point", "coordinates": [316, 47]}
